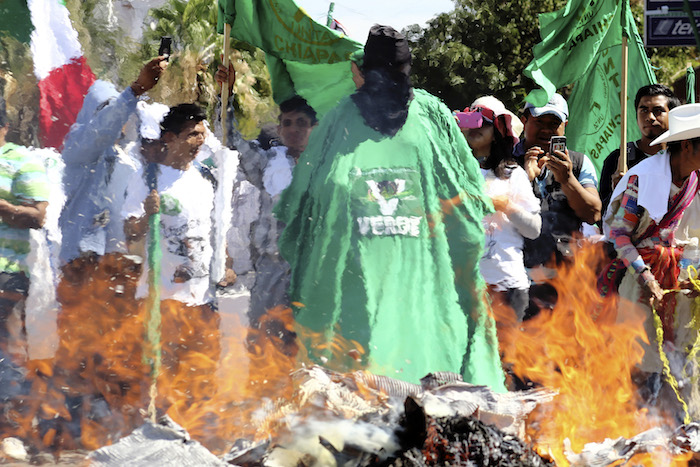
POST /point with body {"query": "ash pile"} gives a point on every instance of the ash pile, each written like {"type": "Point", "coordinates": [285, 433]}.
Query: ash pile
{"type": "Point", "coordinates": [359, 419]}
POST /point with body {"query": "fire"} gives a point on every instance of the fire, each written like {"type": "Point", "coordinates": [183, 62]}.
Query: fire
{"type": "Point", "coordinates": [220, 381]}
{"type": "Point", "coordinates": [587, 352]}
{"type": "Point", "coordinates": [223, 381]}
{"type": "Point", "coordinates": [214, 382]}
{"type": "Point", "coordinates": [219, 406]}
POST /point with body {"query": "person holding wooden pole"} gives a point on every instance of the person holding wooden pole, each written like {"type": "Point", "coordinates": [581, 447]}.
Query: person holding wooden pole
{"type": "Point", "coordinates": [652, 103]}
{"type": "Point", "coordinates": [173, 201]}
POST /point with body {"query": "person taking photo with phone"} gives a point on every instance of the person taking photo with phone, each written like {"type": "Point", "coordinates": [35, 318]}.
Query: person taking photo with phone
{"type": "Point", "coordinates": [566, 184]}
{"type": "Point", "coordinates": [564, 181]}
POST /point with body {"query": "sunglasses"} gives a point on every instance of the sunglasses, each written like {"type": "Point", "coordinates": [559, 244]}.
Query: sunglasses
{"type": "Point", "coordinates": [473, 117]}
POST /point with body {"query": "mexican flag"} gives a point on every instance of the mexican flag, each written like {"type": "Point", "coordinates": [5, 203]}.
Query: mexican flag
{"type": "Point", "coordinates": [63, 74]}
{"type": "Point", "coordinates": [303, 56]}
{"type": "Point", "coordinates": [582, 45]}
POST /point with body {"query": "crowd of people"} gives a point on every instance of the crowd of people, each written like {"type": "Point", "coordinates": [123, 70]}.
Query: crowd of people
{"type": "Point", "coordinates": [382, 223]}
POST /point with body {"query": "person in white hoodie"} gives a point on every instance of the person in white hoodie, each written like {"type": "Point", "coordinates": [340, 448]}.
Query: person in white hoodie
{"type": "Point", "coordinates": [263, 174]}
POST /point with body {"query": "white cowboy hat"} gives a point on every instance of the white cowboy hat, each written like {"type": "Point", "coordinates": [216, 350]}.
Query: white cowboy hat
{"type": "Point", "coordinates": [683, 123]}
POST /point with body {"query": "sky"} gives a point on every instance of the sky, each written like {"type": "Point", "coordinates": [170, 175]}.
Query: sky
{"type": "Point", "coordinates": [359, 15]}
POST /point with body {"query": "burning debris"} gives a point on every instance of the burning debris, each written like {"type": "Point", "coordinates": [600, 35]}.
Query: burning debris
{"type": "Point", "coordinates": [163, 443]}
{"type": "Point", "coordinates": [347, 419]}
{"type": "Point", "coordinates": [320, 417]}
{"type": "Point", "coordinates": [682, 444]}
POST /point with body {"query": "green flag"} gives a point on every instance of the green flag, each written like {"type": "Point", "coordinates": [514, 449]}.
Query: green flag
{"type": "Point", "coordinates": [690, 85]}
{"type": "Point", "coordinates": [303, 56]}
{"type": "Point", "coordinates": [582, 45]}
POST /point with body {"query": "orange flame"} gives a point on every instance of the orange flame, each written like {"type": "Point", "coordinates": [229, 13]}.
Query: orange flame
{"type": "Point", "coordinates": [225, 382]}
{"type": "Point", "coordinates": [96, 388]}
{"type": "Point", "coordinates": [586, 349]}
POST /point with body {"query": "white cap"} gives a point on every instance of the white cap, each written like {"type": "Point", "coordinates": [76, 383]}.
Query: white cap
{"type": "Point", "coordinates": [491, 102]}
{"type": "Point", "coordinates": [556, 106]}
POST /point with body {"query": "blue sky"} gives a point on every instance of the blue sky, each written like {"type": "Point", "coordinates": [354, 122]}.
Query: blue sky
{"type": "Point", "coordinates": [359, 15]}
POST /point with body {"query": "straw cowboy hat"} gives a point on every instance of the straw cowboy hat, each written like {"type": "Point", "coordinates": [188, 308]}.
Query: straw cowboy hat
{"type": "Point", "coordinates": [683, 123]}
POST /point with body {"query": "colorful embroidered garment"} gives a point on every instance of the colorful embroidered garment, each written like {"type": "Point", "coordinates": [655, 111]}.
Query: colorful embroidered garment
{"type": "Point", "coordinates": [650, 254]}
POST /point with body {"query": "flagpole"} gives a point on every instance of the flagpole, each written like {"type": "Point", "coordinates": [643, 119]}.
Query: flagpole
{"type": "Point", "coordinates": [329, 18]}
{"type": "Point", "coordinates": [622, 160]}
{"type": "Point", "coordinates": [224, 86]}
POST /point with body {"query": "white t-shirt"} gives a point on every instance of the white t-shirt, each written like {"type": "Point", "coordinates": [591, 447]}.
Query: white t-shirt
{"type": "Point", "coordinates": [502, 262]}
{"type": "Point", "coordinates": [277, 175]}
{"type": "Point", "coordinates": [186, 202]}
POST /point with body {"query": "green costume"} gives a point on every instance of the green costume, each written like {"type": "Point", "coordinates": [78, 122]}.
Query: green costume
{"type": "Point", "coordinates": [384, 236]}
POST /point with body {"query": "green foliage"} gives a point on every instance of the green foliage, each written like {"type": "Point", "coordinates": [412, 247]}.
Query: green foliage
{"type": "Point", "coordinates": [105, 46]}
{"type": "Point", "coordinates": [482, 47]}
{"type": "Point", "coordinates": [479, 48]}
{"type": "Point", "coordinates": [197, 52]}
{"type": "Point", "coordinates": [19, 88]}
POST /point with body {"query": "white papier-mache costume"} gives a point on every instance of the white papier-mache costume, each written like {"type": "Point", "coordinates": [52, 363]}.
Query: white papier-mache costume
{"type": "Point", "coordinates": [223, 163]}
{"type": "Point", "coordinates": [41, 308]}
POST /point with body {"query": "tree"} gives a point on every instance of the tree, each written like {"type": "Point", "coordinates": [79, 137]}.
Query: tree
{"type": "Point", "coordinates": [479, 48]}
{"type": "Point", "coordinates": [482, 47]}
{"type": "Point", "coordinates": [18, 86]}
{"type": "Point", "coordinates": [197, 50]}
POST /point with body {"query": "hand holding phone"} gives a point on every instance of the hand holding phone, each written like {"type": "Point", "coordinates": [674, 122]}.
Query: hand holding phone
{"type": "Point", "coordinates": [557, 143]}
{"type": "Point", "coordinates": [149, 75]}
{"type": "Point", "coordinates": [165, 47]}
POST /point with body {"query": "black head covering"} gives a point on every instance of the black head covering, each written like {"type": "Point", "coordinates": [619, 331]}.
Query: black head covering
{"type": "Point", "coordinates": [386, 48]}
{"type": "Point", "coordinates": [384, 98]}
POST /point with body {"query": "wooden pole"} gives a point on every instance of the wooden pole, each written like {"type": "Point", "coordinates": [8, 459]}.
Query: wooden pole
{"type": "Point", "coordinates": [224, 87]}
{"type": "Point", "coordinates": [622, 161]}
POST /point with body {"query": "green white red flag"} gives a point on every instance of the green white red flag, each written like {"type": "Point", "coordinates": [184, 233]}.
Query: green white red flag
{"type": "Point", "coordinates": [59, 65]}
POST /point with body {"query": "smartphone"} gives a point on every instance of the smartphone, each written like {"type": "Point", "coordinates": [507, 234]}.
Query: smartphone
{"type": "Point", "coordinates": [557, 143]}
{"type": "Point", "coordinates": [165, 47]}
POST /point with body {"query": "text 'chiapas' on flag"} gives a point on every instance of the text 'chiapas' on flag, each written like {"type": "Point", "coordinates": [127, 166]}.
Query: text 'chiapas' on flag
{"type": "Point", "coordinates": [582, 45]}
{"type": "Point", "coordinates": [303, 56]}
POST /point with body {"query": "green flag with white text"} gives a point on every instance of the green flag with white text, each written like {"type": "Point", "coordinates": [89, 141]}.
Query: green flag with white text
{"type": "Point", "coordinates": [582, 45]}
{"type": "Point", "coordinates": [303, 56]}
